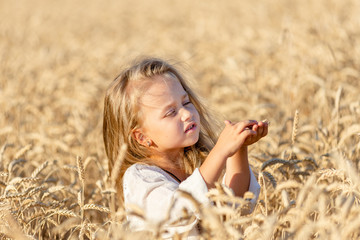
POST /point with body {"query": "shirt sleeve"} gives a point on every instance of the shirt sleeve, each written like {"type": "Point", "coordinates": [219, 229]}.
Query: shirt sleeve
{"type": "Point", "coordinates": [156, 192]}
{"type": "Point", "coordinates": [196, 186]}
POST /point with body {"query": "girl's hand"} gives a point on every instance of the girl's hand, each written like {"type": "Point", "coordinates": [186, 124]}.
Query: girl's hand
{"type": "Point", "coordinates": [261, 129]}
{"type": "Point", "coordinates": [236, 135]}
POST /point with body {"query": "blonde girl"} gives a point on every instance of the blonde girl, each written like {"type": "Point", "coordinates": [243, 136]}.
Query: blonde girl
{"type": "Point", "coordinates": [171, 144]}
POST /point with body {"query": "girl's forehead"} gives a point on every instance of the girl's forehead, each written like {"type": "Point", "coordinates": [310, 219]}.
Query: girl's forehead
{"type": "Point", "coordinates": [163, 87]}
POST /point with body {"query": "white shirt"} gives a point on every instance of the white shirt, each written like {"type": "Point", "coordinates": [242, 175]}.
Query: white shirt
{"type": "Point", "coordinates": [155, 192]}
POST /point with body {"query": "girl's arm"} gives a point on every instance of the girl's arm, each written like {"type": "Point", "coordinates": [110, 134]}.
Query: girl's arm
{"type": "Point", "coordinates": [231, 149]}
{"type": "Point", "coordinates": [212, 166]}
{"type": "Point", "coordinates": [230, 140]}
{"type": "Point", "coordinates": [237, 166]}
{"type": "Point", "coordinates": [237, 175]}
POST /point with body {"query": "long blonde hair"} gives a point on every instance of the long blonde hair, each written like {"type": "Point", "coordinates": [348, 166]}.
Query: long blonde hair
{"type": "Point", "coordinates": [122, 116]}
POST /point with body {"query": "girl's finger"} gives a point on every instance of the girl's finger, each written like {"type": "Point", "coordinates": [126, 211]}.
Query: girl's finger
{"type": "Point", "coordinates": [246, 125]}
{"type": "Point", "coordinates": [251, 137]}
{"type": "Point", "coordinates": [228, 123]}
{"type": "Point", "coordinates": [260, 130]}
{"type": "Point", "coordinates": [266, 127]}
{"type": "Point", "coordinates": [247, 134]}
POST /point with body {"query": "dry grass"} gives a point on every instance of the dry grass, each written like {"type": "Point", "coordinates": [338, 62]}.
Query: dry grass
{"type": "Point", "coordinates": [295, 63]}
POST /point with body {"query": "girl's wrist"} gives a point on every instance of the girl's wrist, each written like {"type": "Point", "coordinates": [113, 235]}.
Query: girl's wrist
{"type": "Point", "coordinates": [239, 159]}
{"type": "Point", "coordinates": [243, 149]}
{"type": "Point", "coordinates": [219, 153]}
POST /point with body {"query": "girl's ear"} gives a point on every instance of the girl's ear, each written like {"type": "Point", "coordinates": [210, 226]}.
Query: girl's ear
{"type": "Point", "coordinates": [138, 135]}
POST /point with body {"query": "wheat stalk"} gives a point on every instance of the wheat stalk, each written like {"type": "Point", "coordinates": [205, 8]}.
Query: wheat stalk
{"type": "Point", "coordinates": [294, 132]}
{"type": "Point", "coordinates": [273, 161]}
{"type": "Point", "coordinates": [12, 164]}
{"type": "Point", "coordinates": [117, 165]}
{"type": "Point", "coordinates": [114, 176]}
{"type": "Point", "coordinates": [70, 167]}
{"type": "Point", "coordinates": [96, 207]}
{"type": "Point", "coordinates": [22, 151]}
{"type": "Point", "coordinates": [261, 181]}
{"type": "Point", "coordinates": [2, 150]}
{"type": "Point", "coordinates": [337, 108]}
{"type": "Point", "coordinates": [271, 178]}
{"type": "Point", "coordinates": [80, 169]}
{"type": "Point", "coordinates": [81, 193]}
{"type": "Point", "coordinates": [63, 212]}
{"type": "Point", "coordinates": [37, 171]}
{"type": "Point", "coordinates": [19, 180]}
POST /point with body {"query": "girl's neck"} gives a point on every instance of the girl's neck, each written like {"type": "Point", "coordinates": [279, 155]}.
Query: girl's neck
{"type": "Point", "coordinates": [172, 167]}
{"type": "Point", "coordinates": [169, 160]}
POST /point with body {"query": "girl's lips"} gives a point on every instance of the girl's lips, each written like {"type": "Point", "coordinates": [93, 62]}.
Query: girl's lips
{"type": "Point", "coordinates": [190, 127]}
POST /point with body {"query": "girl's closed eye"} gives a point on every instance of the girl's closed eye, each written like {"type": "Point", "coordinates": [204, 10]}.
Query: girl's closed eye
{"type": "Point", "coordinates": [170, 113]}
{"type": "Point", "coordinates": [187, 102]}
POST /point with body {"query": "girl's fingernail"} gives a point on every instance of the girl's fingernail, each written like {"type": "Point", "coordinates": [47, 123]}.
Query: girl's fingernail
{"type": "Point", "coordinates": [266, 121]}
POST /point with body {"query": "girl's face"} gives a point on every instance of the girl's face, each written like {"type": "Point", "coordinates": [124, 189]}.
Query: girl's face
{"type": "Point", "coordinates": [170, 120]}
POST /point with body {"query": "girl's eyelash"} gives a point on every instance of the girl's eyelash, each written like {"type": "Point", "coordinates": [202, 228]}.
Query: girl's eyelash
{"type": "Point", "coordinates": [170, 113]}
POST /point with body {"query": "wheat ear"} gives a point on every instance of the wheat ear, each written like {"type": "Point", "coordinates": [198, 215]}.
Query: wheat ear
{"type": "Point", "coordinates": [36, 172]}
{"type": "Point", "coordinates": [114, 175]}
{"type": "Point", "coordinates": [294, 133]}
{"type": "Point", "coordinates": [81, 194]}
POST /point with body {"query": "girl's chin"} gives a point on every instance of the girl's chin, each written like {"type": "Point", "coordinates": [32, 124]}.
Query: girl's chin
{"type": "Point", "coordinates": [193, 142]}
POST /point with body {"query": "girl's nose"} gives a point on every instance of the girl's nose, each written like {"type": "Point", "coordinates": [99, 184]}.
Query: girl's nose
{"type": "Point", "coordinates": [185, 114]}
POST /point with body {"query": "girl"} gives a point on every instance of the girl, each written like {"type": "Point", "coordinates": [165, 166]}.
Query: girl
{"type": "Point", "coordinates": [171, 146]}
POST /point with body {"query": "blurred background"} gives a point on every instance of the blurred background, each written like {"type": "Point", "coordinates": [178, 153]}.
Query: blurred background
{"type": "Point", "coordinates": [261, 59]}
{"type": "Point", "coordinates": [247, 59]}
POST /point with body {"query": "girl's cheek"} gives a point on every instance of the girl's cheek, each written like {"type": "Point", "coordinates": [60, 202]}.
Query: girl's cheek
{"type": "Point", "coordinates": [196, 114]}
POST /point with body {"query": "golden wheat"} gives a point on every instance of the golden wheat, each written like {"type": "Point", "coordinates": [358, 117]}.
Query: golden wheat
{"type": "Point", "coordinates": [265, 60]}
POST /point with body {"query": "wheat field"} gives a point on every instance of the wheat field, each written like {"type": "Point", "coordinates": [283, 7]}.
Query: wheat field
{"type": "Point", "coordinates": [295, 63]}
